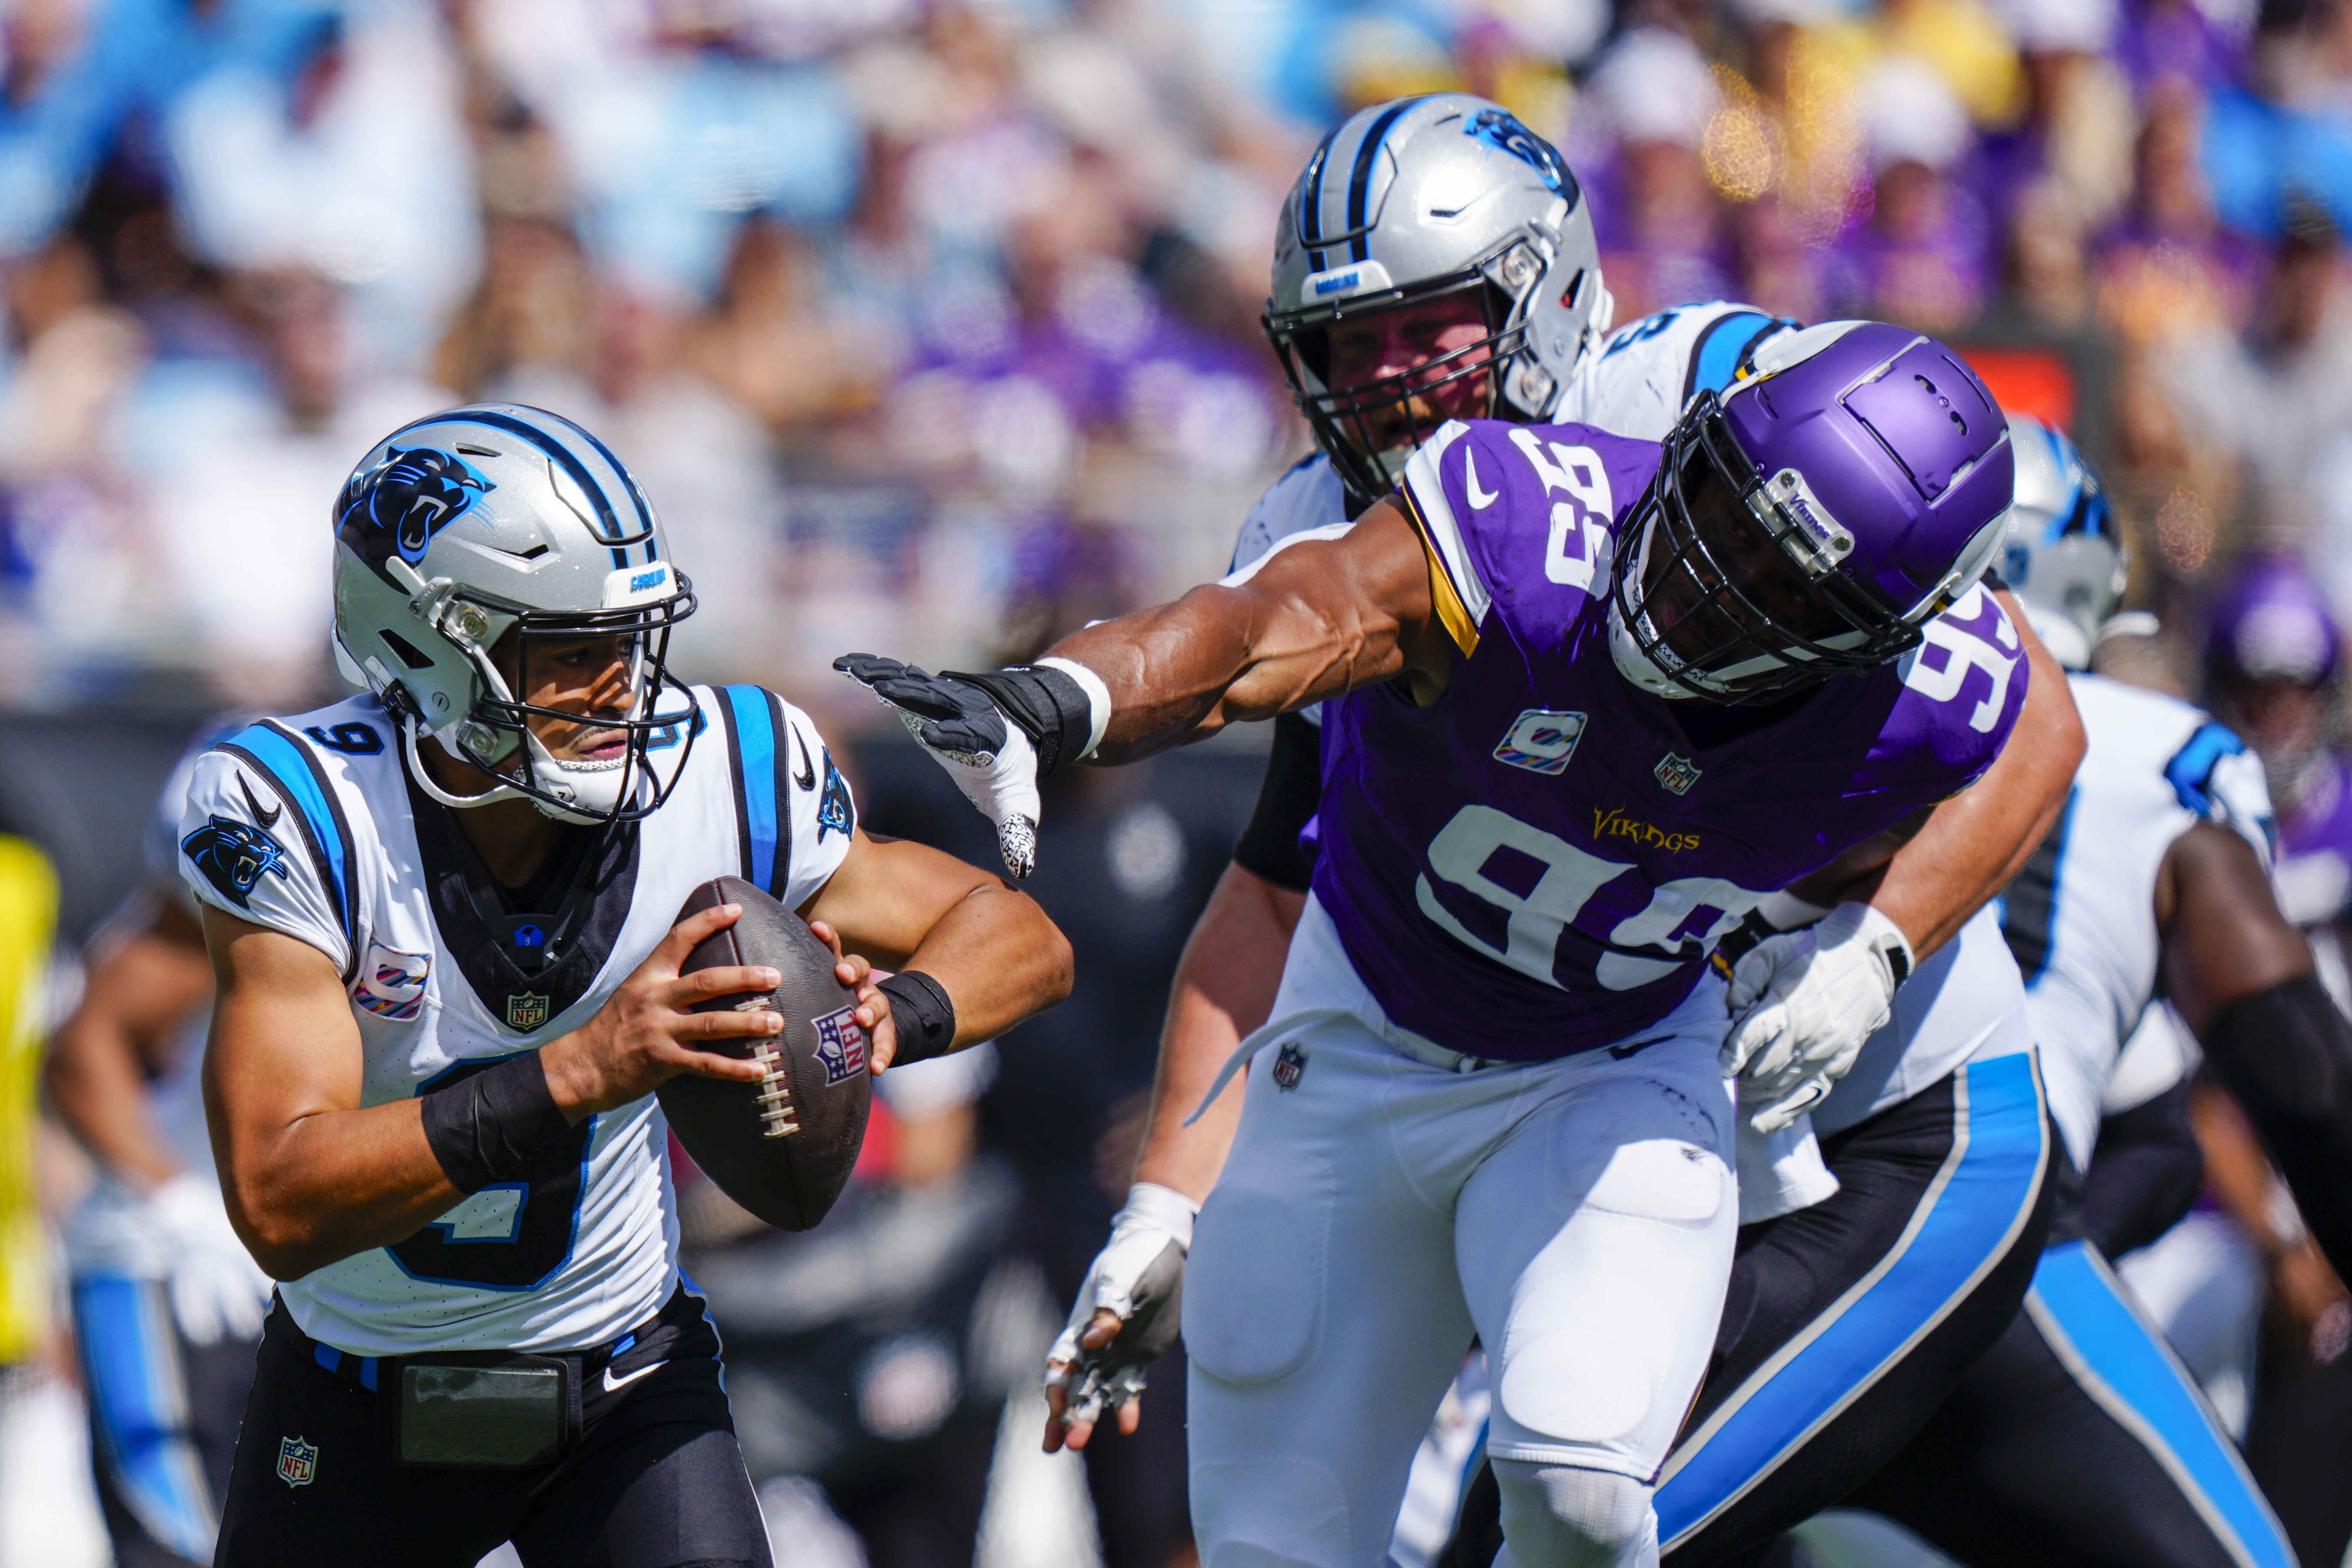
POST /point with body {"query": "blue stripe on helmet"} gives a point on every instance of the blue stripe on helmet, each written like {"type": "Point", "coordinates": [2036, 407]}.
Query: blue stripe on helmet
{"type": "Point", "coordinates": [1311, 202]}
{"type": "Point", "coordinates": [1360, 181]}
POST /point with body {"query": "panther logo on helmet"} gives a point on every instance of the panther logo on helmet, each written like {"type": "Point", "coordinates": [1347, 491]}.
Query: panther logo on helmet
{"type": "Point", "coordinates": [412, 495]}
{"type": "Point", "coordinates": [233, 855]}
{"type": "Point", "coordinates": [1499, 128]}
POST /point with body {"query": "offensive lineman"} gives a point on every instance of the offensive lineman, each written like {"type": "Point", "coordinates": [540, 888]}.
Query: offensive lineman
{"type": "Point", "coordinates": [440, 918]}
{"type": "Point", "coordinates": [1573, 660]}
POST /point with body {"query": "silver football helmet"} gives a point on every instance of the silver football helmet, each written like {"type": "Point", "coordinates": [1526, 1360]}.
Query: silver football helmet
{"type": "Point", "coordinates": [465, 539]}
{"type": "Point", "coordinates": [2062, 555]}
{"type": "Point", "coordinates": [1409, 202]}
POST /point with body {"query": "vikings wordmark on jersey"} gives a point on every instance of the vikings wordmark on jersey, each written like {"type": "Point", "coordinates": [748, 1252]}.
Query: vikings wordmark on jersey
{"type": "Point", "coordinates": [309, 826]}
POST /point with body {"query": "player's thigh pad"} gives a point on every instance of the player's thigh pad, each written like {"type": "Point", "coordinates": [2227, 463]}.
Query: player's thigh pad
{"type": "Point", "coordinates": [1595, 1246]}
{"type": "Point", "coordinates": [1321, 1312]}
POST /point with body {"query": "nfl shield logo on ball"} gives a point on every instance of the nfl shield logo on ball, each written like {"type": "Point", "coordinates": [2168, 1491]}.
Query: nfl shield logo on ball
{"type": "Point", "coordinates": [1677, 773]}
{"type": "Point", "coordinates": [841, 1046]}
{"type": "Point", "coordinates": [526, 1012]}
{"type": "Point", "coordinates": [1289, 1065]}
{"type": "Point", "coordinates": [298, 1461]}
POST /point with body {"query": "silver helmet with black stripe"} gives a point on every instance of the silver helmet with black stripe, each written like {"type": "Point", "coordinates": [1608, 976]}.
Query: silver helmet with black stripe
{"type": "Point", "coordinates": [466, 541]}
{"type": "Point", "coordinates": [1434, 260]}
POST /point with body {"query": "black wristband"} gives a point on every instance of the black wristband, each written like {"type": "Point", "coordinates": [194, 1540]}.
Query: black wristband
{"type": "Point", "coordinates": [924, 1015]}
{"type": "Point", "coordinates": [1048, 705]}
{"type": "Point", "coordinates": [484, 1127]}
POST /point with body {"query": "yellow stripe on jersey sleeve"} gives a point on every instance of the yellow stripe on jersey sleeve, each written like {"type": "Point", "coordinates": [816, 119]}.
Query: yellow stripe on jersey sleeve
{"type": "Point", "coordinates": [1455, 589]}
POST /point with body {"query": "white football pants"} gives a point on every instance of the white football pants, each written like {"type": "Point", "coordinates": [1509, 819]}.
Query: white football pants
{"type": "Point", "coordinates": [1577, 1214]}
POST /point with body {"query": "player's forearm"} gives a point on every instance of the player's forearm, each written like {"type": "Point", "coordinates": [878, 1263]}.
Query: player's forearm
{"type": "Point", "coordinates": [1224, 989]}
{"type": "Point", "coordinates": [999, 960]}
{"type": "Point", "coordinates": [1975, 842]}
{"type": "Point", "coordinates": [324, 1187]}
{"type": "Point", "coordinates": [1180, 672]}
{"type": "Point", "coordinates": [97, 1089]}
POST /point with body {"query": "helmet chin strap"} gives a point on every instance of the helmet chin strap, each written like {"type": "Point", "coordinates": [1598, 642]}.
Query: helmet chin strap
{"type": "Point", "coordinates": [423, 776]}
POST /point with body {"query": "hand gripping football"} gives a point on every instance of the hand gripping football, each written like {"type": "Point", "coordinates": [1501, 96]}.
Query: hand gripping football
{"type": "Point", "coordinates": [781, 1147]}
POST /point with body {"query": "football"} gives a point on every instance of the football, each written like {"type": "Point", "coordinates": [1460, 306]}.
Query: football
{"type": "Point", "coordinates": [781, 1147]}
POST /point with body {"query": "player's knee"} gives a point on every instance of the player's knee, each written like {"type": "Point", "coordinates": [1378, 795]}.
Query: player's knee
{"type": "Point", "coordinates": [1564, 1517]}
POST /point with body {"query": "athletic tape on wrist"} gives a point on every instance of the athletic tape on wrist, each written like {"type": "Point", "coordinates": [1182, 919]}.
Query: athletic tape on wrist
{"type": "Point", "coordinates": [483, 1128]}
{"type": "Point", "coordinates": [1164, 1207]}
{"type": "Point", "coordinates": [1098, 697]}
{"type": "Point", "coordinates": [924, 1015]}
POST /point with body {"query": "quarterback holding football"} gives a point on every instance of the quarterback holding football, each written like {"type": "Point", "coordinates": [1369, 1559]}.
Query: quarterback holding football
{"type": "Point", "coordinates": [441, 916]}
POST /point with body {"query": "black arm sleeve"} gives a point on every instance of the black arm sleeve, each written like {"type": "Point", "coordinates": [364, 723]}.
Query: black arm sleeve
{"type": "Point", "coordinates": [2144, 1173]}
{"type": "Point", "coordinates": [2285, 1055]}
{"type": "Point", "coordinates": [1286, 803]}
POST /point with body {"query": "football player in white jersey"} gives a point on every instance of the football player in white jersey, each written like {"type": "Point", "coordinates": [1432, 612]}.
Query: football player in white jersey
{"type": "Point", "coordinates": [167, 1303]}
{"type": "Point", "coordinates": [1450, 303]}
{"type": "Point", "coordinates": [441, 917]}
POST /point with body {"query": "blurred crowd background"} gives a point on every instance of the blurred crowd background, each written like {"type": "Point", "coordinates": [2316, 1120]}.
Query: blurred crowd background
{"type": "Point", "coordinates": [931, 327]}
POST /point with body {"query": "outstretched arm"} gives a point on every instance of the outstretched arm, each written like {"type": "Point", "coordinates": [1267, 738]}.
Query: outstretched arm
{"type": "Point", "coordinates": [1320, 618]}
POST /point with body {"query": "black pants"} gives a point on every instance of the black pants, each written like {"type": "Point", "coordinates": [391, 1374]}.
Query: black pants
{"type": "Point", "coordinates": [2078, 1439]}
{"type": "Point", "coordinates": [1846, 1324]}
{"type": "Point", "coordinates": [656, 1480]}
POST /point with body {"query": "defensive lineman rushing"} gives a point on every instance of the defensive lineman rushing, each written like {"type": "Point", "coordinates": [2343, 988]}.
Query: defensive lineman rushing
{"type": "Point", "coordinates": [1373, 373]}
{"type": "Point", "coordinates": [1497, 1071]}
{"type": "Point", "coordinates": [440, 917]}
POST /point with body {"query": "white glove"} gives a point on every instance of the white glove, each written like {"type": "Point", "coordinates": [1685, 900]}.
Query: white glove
{"type": "Point", "coordinates": [179, 1234]}
{"type": "Point", "coordinates": [987, 752]}
{"type": "Point", "coordinates": [1138, 1277]}
{"type": "Point", "coordinates": [1802, 1004]}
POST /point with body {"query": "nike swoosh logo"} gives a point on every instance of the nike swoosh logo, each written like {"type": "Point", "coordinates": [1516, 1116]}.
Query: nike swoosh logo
{"type": "Point", "coordinates": [613, 1382]}
{"type": "Point", "coordinates": [807, 776]}
{"type": "Point", "coordinates": [1479, 500]}
{"type": "Point", "coordinates": [266, 818]}
{"type": "Point", "coordinates": [1622, 1052]}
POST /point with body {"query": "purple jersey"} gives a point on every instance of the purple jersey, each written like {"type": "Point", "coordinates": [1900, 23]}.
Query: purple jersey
{"type": "Point", "coordinates": [1540, 862]}
{"type": "Point", "coordinates": [2313, 872]}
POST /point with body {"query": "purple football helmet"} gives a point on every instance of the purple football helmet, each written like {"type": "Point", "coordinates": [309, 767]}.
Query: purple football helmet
{"type": "Point", "coordinates": [2271, 622]}
{"type": "Point", "coordinates": [1810, 522]}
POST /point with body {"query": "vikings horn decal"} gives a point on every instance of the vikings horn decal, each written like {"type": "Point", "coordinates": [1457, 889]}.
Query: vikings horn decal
{"type": "Point", "coordinates": [1501, 129]}
{"type": "Point", "coordinates": [398, 506]}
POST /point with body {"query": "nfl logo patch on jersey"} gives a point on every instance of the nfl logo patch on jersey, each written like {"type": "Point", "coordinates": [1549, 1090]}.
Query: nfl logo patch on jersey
{"type": "Point", "coordinates": [391, 983]}
{"type": "Point", "coordinates": [1540, 740]}
{"type": "Point", "coordinates": [526, 1012]}
{"type": "Point", "coordinates": [840, 1045]}
{"type": "Point", "coordinates": [1677, 773]}
{"type": "Point", "coordinates": [298, 1461]}
{"type": "Point", "coordinates": [1289, 1065]}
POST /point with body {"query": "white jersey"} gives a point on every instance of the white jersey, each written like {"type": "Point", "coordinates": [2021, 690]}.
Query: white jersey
{"type": "Point", "coordinates": [1966, 1001]}
{"type": "Point", "coordinates": [2081, 916]}
{"type": "Point", "coordinates": [309, 826]}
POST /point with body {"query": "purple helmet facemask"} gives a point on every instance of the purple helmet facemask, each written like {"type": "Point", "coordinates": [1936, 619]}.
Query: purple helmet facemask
{"type": "Point", "coordinates": [1810, 523]}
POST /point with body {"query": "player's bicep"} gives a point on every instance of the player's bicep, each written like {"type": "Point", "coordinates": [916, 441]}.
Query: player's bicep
{"type": "Point", "coordinates": [2224, 937]}
{"type": "Point", "coordinates": [284, 1044]}
{"type": "Point", "coordinates": [885, 897]}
